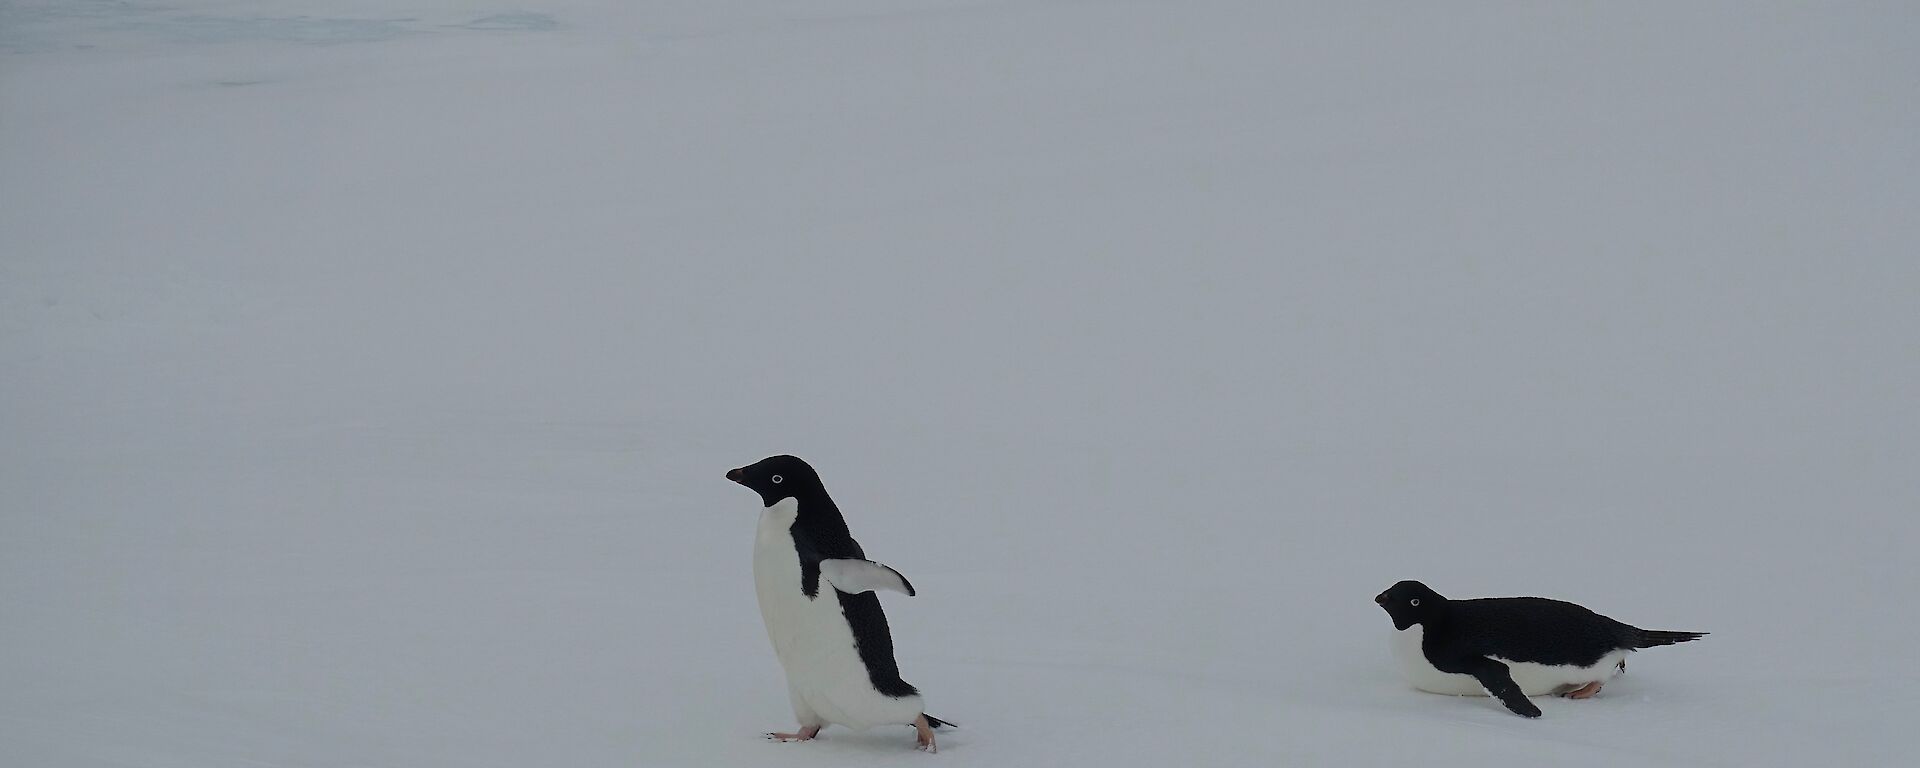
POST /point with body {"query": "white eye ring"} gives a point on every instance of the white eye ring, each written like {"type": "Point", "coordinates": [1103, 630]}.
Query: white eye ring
{"type": "Point", "coordinates": [1414, 602]}
{"type": "Point", "coordinates": [776, 479]}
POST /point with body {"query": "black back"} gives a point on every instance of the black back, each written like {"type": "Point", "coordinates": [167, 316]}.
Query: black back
{"type": "Point", "coordinates": [1532, 629]}
{"type": "Point", "coordinates": [820, 533]}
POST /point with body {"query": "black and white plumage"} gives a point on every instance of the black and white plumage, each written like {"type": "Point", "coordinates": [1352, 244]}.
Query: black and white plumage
{"type": "Point", "coordinates": [817, 597]}
{"type": "Point", "coordinates": [1510, 647]}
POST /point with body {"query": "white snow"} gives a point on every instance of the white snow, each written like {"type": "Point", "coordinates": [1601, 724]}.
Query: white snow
{"type": "Point", "coordinates": [368, 371]}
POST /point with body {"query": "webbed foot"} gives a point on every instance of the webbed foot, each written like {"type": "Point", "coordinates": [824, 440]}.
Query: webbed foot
{"type": "Point", "coordinates": [805, 734]}
{"type": "Point", "coordinates": [923, 735]}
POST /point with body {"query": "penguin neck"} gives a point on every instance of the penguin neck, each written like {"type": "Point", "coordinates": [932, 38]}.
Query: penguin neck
{"type": "Point", "coordinates": [819, 518]}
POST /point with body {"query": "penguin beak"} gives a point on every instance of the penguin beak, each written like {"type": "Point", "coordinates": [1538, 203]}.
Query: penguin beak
{"type": "Point", "coordinates": [1380, 599]}
{"type": "Point", "coordinates": [737, 476]}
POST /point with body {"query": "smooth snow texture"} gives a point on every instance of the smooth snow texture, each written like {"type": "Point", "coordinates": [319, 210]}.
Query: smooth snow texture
{"type": "Point", "coordinates": [368, 371]}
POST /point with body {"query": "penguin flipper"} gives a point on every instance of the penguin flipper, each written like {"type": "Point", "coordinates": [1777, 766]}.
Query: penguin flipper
{"type": "Point", "coordinates": [854, 576]}
{"type": "Point", "coordinates": [1499, 683]}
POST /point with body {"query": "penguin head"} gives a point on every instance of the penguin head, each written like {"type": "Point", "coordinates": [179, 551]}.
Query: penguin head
{"type": "Point", "coordinates": [1410, 603]}
{"type": "Point", "coordinates": [777, 477]}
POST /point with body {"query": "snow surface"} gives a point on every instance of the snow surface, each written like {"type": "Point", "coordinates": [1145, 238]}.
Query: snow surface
{"type": "Point", "coordinates": [368, 371]}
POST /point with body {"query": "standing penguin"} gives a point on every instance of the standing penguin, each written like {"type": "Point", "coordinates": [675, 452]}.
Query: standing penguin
{"type": "Point", "coordinates": [816, 591]}
{"type": "Point", "coordinates": [1510, 647]}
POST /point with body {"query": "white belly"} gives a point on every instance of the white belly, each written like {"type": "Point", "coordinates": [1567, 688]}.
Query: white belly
{"type": "Point", "coordinates": [825, 677]}
{"type": "Point", "coordinates": [1533, 679]}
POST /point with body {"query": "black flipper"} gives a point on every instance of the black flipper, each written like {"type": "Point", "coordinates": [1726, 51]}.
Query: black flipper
{"type": "Point", "coordinates": [934, 722]}
{"type": "Point", "coordinates": [1494, 677]}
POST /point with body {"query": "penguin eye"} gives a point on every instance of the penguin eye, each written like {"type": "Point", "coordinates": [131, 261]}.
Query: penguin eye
{"type": "Point", "coordinates": [1414, 602]}
{"type": "Point", "coordinates": [776, 479]}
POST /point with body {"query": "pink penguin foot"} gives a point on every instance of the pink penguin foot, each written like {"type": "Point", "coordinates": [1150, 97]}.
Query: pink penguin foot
{"type": "Point", "coordinates": [1587, 691]}
{"type": "Point", "coordinates": [805, 734]}
{"type": "Point", "coordinates": [923, 735]}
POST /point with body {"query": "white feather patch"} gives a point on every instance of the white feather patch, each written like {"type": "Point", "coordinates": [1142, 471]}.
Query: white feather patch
{"type": "Point", "coordinates": [1533, 679]}
{"type": "Point", "coordinates": [856, 576]}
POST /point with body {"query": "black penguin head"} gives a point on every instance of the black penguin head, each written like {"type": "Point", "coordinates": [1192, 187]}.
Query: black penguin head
{"type": "Point", "coordinates": [777, 477]}
{"type": "Point", "coordinates": [1410, 603]}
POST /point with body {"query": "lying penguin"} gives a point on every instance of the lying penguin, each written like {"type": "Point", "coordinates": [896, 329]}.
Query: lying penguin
{"type": "Point", "coordinates": [816, 591]}
{"type": "Point", "coordinates": [1510, 647]}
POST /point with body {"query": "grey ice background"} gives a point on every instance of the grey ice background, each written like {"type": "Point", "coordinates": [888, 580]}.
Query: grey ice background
{"type": "Point", "coordinates": [367, 371]}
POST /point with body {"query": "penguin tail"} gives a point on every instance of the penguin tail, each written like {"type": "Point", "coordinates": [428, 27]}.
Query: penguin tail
{"type": "Point", "coordinates": [1654, 638]}
{"type": "Point", "coordinates": [937, 722]}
